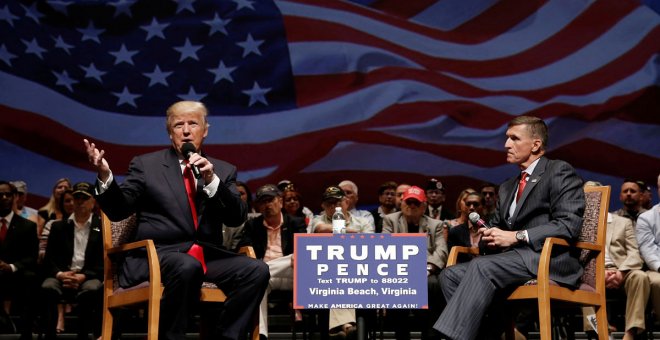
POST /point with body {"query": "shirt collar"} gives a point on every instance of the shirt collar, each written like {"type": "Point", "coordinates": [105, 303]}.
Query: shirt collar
{"type": "Point", "coordinates": [531, 167]}
{"type": "Point", "coordinates": [9, 217]}
{"type": "Point", "coordinates": [72, 219]}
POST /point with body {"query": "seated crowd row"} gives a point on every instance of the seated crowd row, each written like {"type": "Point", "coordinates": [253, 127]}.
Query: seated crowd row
{"type": "Point", "coordinates": [66, 241]}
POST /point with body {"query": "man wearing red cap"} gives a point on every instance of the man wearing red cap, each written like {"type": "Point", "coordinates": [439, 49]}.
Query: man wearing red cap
{"type": "Point", "coordinates": [411, 219]}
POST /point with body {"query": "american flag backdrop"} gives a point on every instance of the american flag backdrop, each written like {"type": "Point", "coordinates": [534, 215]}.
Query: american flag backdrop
{"type": "Point", "coordinates": [321, 91]}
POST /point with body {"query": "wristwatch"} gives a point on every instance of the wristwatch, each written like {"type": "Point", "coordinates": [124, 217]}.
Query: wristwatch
{"type": "Point", "coordinates": [520, 236]}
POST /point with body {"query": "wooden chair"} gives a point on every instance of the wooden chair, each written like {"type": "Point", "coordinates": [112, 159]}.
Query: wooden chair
{"type": "Point", "coordinates": [592, 287]}
{"type": "Point", "coordinates": [116, 237]}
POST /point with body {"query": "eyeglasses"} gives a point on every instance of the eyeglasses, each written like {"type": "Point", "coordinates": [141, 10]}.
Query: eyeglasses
{"type": "Point", "coordinates": [470, 204]}
{"type": "Point", "coordinates": [6, 194]}
{"type": "Point", "coordinates": [487, 193]}
{"type": "Point", "coordinates": [291, 199]}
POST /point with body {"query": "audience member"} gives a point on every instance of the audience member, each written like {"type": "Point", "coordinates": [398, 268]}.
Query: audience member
{"type": "Point", "coordinates": [648, 237]}
{"type": "Point", "coordinates": [400, 190]}
{"type": "Point", "coordinates": [351, 196]}
{"type": "Point", "coordinates": [411, 219]}
{"type": "Point", "coordinates": [342, 321]}
{"type": "Point", "coordinates": [74, 265]}
{"type": "Point", "coordinates": [435, 193]}
{"type": "Point", "coordinates": [461, 218]}
{"type": "Point", "coordinates": [232, 236]}
{"type": "Point", "coordinates": [271, 236]}
{"type": "Point", "coordinates": [387, 200]}
{"type": "Point", "coordinates": [489, 192]}
{"type": "Point", "coordinates": [18, 260]}
{"type": "Point", "coordinates": [66, 207]}
{"type": "Point", "coordinates": [51, 211]}
{"type": "Point", "coordinates": [293, 203]}
{"type": "Point", "coordinates": [623, 271]}
{"type": "Point", "coordinates": [646, 197]}
{"type": "Point", "coordinates": [183, 215]}
{"type": "Point", "coordinates": [467, 234]}
{"type": "Point", "coordinates": [334, 197]}
{"type": "Point", "coordinates": [282, 185]}
{"type": "Point", "coordinates": [21, 199]}
{"type": "Point", "coordinates": [631, 197]}
{"type": "Point", "coordinates": [545, 200]}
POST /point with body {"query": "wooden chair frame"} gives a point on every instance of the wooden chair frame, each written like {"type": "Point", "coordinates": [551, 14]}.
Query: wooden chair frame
{"type": "Point", "coordinates": [545, 291]}
{"type": "Point", "coordinates": [149, 292]}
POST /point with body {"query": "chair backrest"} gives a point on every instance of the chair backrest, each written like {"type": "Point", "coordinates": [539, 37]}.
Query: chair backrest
{"type": "Point", "coordinates": [115, 234]}
{"type": "Point", "coordinates": [597, 201]}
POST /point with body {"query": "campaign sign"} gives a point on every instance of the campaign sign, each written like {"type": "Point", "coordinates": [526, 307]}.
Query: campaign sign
{"type": "Point", "coordinates": [360, 271]}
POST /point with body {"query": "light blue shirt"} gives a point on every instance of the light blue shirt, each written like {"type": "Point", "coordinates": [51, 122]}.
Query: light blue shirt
{"type": "Point", "coordinates": [648, 237]}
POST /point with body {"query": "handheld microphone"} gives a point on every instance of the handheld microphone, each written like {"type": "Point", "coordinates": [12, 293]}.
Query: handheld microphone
{"type": "Point", "coordinates": [476, 219]}
{"type": "Point", "coordinates": [188, 149]}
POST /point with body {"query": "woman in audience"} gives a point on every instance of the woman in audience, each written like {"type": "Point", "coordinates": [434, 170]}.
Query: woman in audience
{"type": "Point", "coordinates": [460, 216]}
{"type": "Point", "coordinates": [293, 204]}
{"type": "Point", "coordinates": [467, 234]}
{"type": "Point", "coordinates": [246, 196]}
{"type": "Point", "coordinates": [51, 211]}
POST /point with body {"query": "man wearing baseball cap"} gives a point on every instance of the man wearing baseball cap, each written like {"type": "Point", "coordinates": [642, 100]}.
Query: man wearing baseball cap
{"type": "Point", "coordinates": [74, 264]}
{"type": "Point", "coordinates": [21, 198]}
{"type": "Point", "coordinates": [435, 192]}
{"type": "Point", "coordinates": [342, 321]}
{"type": "Point", "coordinates": [411, 219]}
{"type": "Point", "coordinates": [271, 236]}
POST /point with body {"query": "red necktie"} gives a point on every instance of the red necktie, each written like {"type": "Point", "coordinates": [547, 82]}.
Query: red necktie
{"type": "Point", "coordinates": [3, 230]}
{"type": "Point", "coordinates": [521, 185]}
{"type": "Point", "coordinates": [195, 251]}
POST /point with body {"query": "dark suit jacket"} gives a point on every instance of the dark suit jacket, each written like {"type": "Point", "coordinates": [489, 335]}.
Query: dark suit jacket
{"type": "Point", "coordinates": [378, 221]}
{"type": "Point", "coordinates": [21, 245]}
{"type": "Point", "coordinates": [551, 205]}
{"type": "Point", "coordinates": [460, 236]}
{"type": "Point", "coordinates": [255, 234]}
{"type": "Point", "coordinates": [59, 251]}
{"type": "Point", "coordinates": [154, 190]}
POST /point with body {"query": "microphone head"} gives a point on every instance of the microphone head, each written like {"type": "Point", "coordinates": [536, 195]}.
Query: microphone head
{"type": "Point", "coordinates": [187, 148]}
{"type": "Point", "coordinates": [474, 217]}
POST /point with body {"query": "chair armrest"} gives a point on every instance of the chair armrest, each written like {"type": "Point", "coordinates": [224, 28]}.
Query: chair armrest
{"type": "Point", "coordinates": [544, 261]}
{"type": "Point", "coordinates": [247, 251]}
{"type": "Point", "coordinates": [455, 250]}
{"type": "Point", "coordinates": [132, 245]}
{"type": "Point", "coordinates": [152, 259]}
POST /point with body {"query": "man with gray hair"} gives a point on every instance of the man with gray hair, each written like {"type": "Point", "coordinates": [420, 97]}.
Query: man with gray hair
{"type": "Point", "coordinates": [351, 191]}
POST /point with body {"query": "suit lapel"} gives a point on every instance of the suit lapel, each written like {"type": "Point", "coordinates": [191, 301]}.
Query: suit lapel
{"type": "Point", "coordinates": [609, 233]}
{"type": "Point", "coordinates": [403, 224]}
{"type": "Point", "coordinates": [532, 181]}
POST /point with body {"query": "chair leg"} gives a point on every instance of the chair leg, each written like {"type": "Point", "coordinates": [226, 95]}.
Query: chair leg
{"type": "Point", "coordinates": [152, 319]}
{"type": "Point", "coordinates": [106, 328]}
{"type": "Point", "coordinates": [601, 318]}
{"type": "Point", "coordinates": [545, 319]}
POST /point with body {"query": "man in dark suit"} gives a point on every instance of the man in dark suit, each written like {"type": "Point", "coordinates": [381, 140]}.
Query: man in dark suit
{"type": "Point", "coordinates": [184, 215]}
{"type": "Point", "coordinates": [74, 264]}
{"type": "Point", "coordinates": [19, 247]}
{"type": "Point", "coordinates": [271, 236]}
{"type": "Point", "coordinates": [545, 200]}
